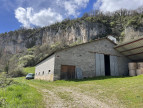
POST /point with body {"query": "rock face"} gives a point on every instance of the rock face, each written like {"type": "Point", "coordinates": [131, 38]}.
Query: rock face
{"type": "Point", "coordinates": [16, 42]}
{"type": "Point", "coordinates": [131, 33]}
{"type": "Point", "coordinates": [20, 40]}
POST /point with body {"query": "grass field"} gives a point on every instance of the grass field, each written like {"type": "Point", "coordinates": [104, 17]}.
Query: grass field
{"type": "Point", "coordinates": [20, 95]}
{"type": "Point", "coordinates": [105, 92]}
{"type": "Point", "coordinates": [29, 70]}
{"type": "Point", "coordinates": [126, 92]}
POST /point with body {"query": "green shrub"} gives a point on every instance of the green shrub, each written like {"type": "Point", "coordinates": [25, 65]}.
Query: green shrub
{"type": "Point", "coordinates": [112, 24]}
{"type": "Point", "coordinates": [6, 68]}
{"type": "Point", "coordinates": [122, 33]}
{"type": "Point", "coordinates": [27, 60]}
{"type": "Point", "coordinates": [5, 80]}
{"type": "Point", "coordinates": [18, 72]}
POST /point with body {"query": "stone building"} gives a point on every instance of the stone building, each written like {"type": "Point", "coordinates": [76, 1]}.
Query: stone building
{"type": "Point", "coordinates": [96, 58]}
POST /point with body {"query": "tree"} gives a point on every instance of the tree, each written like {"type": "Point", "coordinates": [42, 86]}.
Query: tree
{"type": "Point", "coordinates": [85, 15]}
{"type": "Point", "coordinates": [6, 68]}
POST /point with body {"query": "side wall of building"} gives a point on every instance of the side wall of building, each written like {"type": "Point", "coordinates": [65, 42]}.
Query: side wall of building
{"type": "Point", "coordinates": [45, 69]}
{"type": "Point", "coordinates": [83, 57]}
{"type": "Point", "coordinates": [123, 66]}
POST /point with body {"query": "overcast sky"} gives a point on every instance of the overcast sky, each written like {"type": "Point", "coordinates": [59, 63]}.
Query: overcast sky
{"type": "Point", "coordinates": [28, 13]}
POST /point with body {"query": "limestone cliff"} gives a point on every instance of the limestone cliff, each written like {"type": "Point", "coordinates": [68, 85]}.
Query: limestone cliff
{"type": "Point", "coordinates": [15, 42]}
{"type": "Point", "coordinates": [20, 40]}
{"type": "Point", "coordinates": [131, 33]}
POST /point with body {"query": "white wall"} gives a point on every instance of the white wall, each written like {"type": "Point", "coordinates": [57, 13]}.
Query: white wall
{"type": "Point", "coordinates": [46, 66]}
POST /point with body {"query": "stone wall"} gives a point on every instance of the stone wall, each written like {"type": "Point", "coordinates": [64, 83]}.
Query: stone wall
{"type": "Point", "coordinates": [83, 57]}
{"type": "Point", "coordinates": [45, 69]}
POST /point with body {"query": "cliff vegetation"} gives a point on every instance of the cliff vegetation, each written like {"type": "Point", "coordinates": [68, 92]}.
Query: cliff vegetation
{"type": "Point", "coordinates": [23, 48]}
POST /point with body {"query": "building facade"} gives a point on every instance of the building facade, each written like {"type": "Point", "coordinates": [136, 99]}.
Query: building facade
{"type": "Point", "coordinates": [97, 58]}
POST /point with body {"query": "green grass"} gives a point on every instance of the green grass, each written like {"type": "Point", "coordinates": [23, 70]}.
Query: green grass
{"type": "Point", "coordinates": [29, 70]}
{"type": "Point", "coordinates": [127, 91]}
{"type": "Point", "coordinates": [21, 95]}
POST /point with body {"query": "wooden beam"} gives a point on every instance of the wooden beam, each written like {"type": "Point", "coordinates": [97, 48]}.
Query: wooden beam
{"type": "Point", "coordinates": [105, 53]}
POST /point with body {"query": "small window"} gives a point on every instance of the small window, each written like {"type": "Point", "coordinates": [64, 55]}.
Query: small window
{"type": "Point", "coordinates": [39, 73]}
{"type": "Point", "coordinates": [49, 70]}
{"type": "Point", "coordinates": [43, 72]}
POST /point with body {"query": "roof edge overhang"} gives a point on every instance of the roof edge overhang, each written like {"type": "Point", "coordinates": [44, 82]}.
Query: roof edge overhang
{"type": "Point", "coordinates": [129, 42]}
{"type": "Point", "coordinates": [45, 58]}
{"type": "Point", "coordinates": [132, 49]}
{"type": "Point", "coordinates": [74, 46]}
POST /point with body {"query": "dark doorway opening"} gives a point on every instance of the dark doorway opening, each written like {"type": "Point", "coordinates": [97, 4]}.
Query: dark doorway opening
{"type": "Point", "coordinates": [107, 65]}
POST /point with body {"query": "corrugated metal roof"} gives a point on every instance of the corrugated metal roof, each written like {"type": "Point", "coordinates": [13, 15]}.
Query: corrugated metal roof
{"type": "Point", "coordinates": [132, 49]}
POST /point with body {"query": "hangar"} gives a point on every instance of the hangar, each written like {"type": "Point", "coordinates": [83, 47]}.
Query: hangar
{"type": "Point", "coordinates": [100, 57]}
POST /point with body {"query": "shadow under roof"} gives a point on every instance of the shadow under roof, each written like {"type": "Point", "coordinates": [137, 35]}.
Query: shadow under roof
{"type": "Point", "coordinates": [132, 49]}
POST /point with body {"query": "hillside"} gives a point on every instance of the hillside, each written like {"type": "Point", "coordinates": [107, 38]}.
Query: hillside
{"type": "Point", "coordinates": [22, 48]}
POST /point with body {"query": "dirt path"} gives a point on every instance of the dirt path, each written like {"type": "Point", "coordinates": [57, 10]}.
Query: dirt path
{"type": "Point", "coordinates": [51, 100]}
{"type": "Point", "coordinates": [84, 100]}
{"type": "Point", "coordinates": [65, 97]}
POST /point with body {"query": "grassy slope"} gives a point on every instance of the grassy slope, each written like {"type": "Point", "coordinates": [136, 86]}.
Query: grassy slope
{"type": "Point", "coordinates": [29, 69]}
{"type": "Point", "coordinates": [21, 95]}
{"type": "Point", "coordinates": [126, 91]}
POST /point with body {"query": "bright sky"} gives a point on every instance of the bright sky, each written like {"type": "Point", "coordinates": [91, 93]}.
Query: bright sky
{"type": "Point", "coordinates": [28, 13]}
